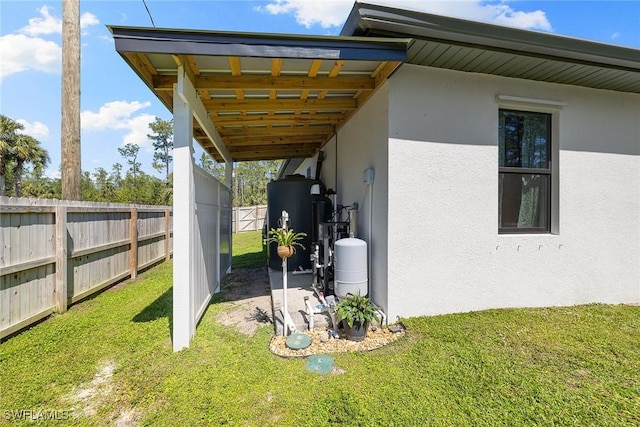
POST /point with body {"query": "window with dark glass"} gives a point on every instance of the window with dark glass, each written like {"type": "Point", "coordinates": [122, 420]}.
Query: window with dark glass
{"type": "Point", "coordinates": [524, 172]}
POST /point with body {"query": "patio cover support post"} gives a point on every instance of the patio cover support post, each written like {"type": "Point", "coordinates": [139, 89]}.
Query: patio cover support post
{"type": "Point", "coordinates": [183, 224]}
{"type": "Point", "coordinates": [228, 173]}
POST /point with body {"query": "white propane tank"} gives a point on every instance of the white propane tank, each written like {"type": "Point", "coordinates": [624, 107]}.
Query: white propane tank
{"type": "Point", "coordinates": [350, 261]}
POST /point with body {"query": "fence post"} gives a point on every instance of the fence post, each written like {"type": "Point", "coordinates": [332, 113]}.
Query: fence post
{"type": "Point", "coordinates": [61, 258]}
{"type": "Point", "coordinates": [167, 234]}
{"type": "Point", "coordinates": [133, 230]}
{"type": "Point", "coordinates": [236, 216]}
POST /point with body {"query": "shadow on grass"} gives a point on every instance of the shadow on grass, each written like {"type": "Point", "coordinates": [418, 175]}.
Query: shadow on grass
{"type": "Point", "coordinates": [161, 307]}
{"type": "Point", "coordinates": [250, 260]}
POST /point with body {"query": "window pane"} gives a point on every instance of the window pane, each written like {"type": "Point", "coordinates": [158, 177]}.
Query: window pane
{"type": "Point", "coordinates": [524, 201]}
{"type": "Point", "coordinates": [524, 139]}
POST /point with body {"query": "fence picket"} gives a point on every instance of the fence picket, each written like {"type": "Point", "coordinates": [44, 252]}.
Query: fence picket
{"type": "Point", "coordinates": [53, 253]}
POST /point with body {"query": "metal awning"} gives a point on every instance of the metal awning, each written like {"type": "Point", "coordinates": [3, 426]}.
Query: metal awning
{"type": "Point", "coordinates": [269, 96]}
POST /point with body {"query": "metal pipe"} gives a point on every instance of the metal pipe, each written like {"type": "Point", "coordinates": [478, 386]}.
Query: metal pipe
{"type": "Point", "coordinates": [284, 220]}
{"type": "Point", "coordinates": [310, 312]}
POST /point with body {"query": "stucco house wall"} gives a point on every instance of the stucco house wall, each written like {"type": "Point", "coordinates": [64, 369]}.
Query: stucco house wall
{"type": "Point", "coordinates": [444, 251]}
{"type": "Point", "coordinates": [362, 144]}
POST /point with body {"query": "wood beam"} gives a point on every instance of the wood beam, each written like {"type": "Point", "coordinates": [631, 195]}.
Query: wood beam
{"type": "Point", "coordinates": [276, 69]}
{"type": "Point", "coordinates": [274, 148]}
{"type": "Point", "coordinates": [214, 105]}
{"type": "Point", "coordinates": [181, 61]}
{"type": "Point", "coordinates": [335, 70]}
{"type": "Point", "coordinates": [165, 82]}
{"type": "Point", "coordinates": [144, 68]}
{"type": "Point", "coordinates": [236, 70]}
{"type": "Point", "coordinates": [313, 72]}
{"type": "Point", "coordinates": [277, 141]}
{"type": "Point", "coordinates": [280, 119]}
{"type": "Point", "coordinates": [249, 156]}
{"type": "Point", "coordinates": [250, 132]}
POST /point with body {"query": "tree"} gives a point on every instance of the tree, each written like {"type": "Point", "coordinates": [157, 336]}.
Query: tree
{"type": "Point", "coordinates": [130, 153]}
{"type": "Point", "coordinates": [8, 133]}
{"type": "Point", "coordinates": [214, 168]}
{"type": "Point", "coordinates": [27, 150]}
{"type": "Point", "coordinates": [16, 151]}
{"type": "Point", "coordinates": [35, 184]}
{"type": "Point", "coordinates": [162, 138]}
{"type": "Point", "coordinates": [252, 179]}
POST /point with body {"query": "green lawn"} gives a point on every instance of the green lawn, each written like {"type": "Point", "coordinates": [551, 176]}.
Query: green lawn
{"type": "Point", "coordinates": [248, 250]}
{"type": "Point", "coordinates": [560, 366]}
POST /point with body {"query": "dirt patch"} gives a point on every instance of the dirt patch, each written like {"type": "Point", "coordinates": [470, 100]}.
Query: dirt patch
{"type": "Point", "coordinates": [89, 396]}
{"type": "Point", "coordinates": [247, 291]}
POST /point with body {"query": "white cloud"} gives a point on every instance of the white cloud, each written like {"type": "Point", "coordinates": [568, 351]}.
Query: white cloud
{"type": "Point", "coordinates": [37, 130]}
{"type": "Point", "coordinates": [119, 115]}
{"type": "Point", "coordinates": [326, 13]}
{"type": "Point", "coordinates": [44, 24]}
{"type": "Point", "coordinates": [20, 53]}
{"type": "Point", "coordinates": [53, 173]}
{"type": "Point", "coordinates": [49, 24]}
{"type": "Point", "coordinates": [24, 51]}
{"type": "Point", "coordinates": [616, 35]}
{"type": "Point", "coordinates": [138, 130]}
{"type": "Point", "coordinates": [87, 19]}
{"type": "Point", "coordinates": [332, 13]}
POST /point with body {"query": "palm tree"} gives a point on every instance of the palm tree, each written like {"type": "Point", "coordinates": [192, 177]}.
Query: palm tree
{"type": "Point", "coordinates": [8, 133]}
{"type": "Point", "coordinates": [26, 149]}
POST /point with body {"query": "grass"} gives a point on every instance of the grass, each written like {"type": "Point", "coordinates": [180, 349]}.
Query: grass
{"type": "Point", "coordinates": [555, 366]}
{"type": "Point", "coordinates": [248, 250]}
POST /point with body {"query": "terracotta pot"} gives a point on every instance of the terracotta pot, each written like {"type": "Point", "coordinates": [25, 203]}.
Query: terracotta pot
{"type": "Point", "coordinates": [285, 251]}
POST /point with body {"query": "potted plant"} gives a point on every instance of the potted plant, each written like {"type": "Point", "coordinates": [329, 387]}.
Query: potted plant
{"type": "Point", "coordinates": [356, 312]}
{"type": "Point", "coordinates": [287, 240]}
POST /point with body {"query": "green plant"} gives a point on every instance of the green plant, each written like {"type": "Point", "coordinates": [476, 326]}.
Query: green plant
{"type": "Point", "coordinates": [356, 310]}
{"type": "Point", "coordinates": [288, 238]}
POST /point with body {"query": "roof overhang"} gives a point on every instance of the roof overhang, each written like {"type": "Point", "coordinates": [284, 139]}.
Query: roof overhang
{"type": "Point", "coordinates": [269, 96]}
{"type": "Point", "coordinates": [281, 96]}
{"type": "Point", "coordinates": [470, 46]}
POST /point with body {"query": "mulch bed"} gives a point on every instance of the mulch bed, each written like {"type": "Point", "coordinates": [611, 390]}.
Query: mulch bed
{"type": "Point", "coordinates": [321, 345]}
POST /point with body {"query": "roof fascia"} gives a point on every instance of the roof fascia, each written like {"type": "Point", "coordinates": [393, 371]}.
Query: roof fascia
{"type": "Point", "coordinates": [371, 19]}
{"type": "Point", "coordinates": [188, 42]}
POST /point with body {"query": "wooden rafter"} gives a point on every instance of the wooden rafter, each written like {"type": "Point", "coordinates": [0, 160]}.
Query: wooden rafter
{"type": "Point", "coordinates": [335, 71]}
{"type": "Point", "coordinates": [274, 148]}
{"type": "Point", "coordinates": [236, 70]}
{"type": "Point", "coordinates": [271, 83]}
{"type": "Point", "coordinates": [271, 113]}
{"type": "Point", "coordinates": [276, 69]}
{"type": "Point", "coordinates": [280, 119]}
{"type": "Point", "coordinates": [281, 104]}
{"type": "Point", "coordinates": [251, 132]}
{"type": "Point", "coordinates": [275, 140]}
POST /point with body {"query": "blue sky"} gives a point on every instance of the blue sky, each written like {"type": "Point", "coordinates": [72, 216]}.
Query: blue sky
{"type": "Point", "coordinates": [117, 107]}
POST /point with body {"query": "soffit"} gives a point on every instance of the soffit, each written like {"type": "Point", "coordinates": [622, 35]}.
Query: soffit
{"type": "Point", "coordinates": [476, 47]}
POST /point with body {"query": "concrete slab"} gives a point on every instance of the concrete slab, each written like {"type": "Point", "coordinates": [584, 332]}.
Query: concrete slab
{"type": "Point", "coordinates": [298, 287]}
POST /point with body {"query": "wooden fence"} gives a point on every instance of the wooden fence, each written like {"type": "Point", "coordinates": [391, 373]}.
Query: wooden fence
{"type": "Point", "coordinates": [55, 253]}
{"type": "Point", "coordinates": [249, 218]}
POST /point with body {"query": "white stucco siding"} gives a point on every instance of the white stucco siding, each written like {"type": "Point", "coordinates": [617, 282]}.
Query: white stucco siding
{"type": "Point", "coordinates": [445, 253]}
{"type": "Point", "coordinates": [362, 144]}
